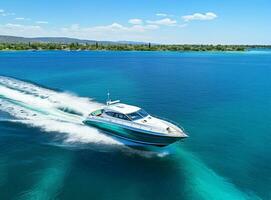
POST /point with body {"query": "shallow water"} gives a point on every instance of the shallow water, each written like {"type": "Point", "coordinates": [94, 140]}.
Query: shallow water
{"type": "Point", "coordinates": [223, 100]}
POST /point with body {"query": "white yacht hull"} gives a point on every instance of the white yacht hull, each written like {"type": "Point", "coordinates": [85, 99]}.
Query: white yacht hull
{"type": "Point", "coordinates": [133, 133]}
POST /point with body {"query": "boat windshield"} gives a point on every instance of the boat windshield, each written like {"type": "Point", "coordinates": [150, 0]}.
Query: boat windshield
{"type": "Point", "coordinates": [143, 113]}
{"type": "Point", "coordinates": [97, 112]}
{"type": "Point", "coordinates": [138, 115]}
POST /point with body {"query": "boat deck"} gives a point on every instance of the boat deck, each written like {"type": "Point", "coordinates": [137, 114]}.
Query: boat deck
{"type": "Point", "coordinates": [173, 131]}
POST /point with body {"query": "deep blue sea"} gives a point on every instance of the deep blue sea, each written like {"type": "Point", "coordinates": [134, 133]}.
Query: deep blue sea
{"type": "Point", "coordinates": [223, 100]}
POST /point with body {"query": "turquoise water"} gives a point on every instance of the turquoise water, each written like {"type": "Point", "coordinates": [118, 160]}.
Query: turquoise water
{"type": "Point", "coordinates": [223, 100]}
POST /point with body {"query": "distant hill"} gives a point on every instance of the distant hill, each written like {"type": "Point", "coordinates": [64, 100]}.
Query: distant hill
{"type": "Point", "coordinates": [64, 40]}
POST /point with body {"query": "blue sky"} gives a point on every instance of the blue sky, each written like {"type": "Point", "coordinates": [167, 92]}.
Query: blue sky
{"type": "Point", "coordinates": [160, 21]}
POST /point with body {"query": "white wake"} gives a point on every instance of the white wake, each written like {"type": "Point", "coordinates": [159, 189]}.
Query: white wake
{"type": "Point", "coordinates": [50, 110]}
{"type": "Point", "coordinates": [54, 111]}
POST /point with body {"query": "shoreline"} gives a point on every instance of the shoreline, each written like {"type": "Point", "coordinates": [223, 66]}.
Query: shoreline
{"type": "Point", "coordinates": [39, 47]}
{"type": "Point", "coordinates": [102, 50]}
{"type": "Point", "coordinates": [44, 50]}
{"type": "Point", "coordinates": [6, 46]}
{"type": "Point", "coordinates": [71, 50]}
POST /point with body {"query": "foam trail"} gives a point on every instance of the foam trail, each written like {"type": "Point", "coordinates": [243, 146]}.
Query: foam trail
{"type": "Point", "coordinates": [54, 111]}
{"type": "Point", "coordinates": [50, 97]}
{"type": "Point", "coordinates": [204, 183]}
{"type": "Point", "coordinates": [51, 180]}
{"type": "Point", "coordinates": [46, 109]}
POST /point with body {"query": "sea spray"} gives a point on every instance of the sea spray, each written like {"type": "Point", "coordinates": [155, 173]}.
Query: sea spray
{"type": "Point", "coordinates": [26, 101]}
{"type": "Point", "coordinates": [54, 111]}
{"type": "Point", "coordinates": [35, 94]}
{"type": "Point", "coordinates": [50, 122]}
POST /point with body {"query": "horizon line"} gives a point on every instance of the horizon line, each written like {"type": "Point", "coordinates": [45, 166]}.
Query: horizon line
{"type": "Point", "coordinates": [135, 41]}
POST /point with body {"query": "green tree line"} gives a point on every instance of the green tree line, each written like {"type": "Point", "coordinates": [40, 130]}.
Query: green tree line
{"type": "Point", "coordinates": [124, 47]}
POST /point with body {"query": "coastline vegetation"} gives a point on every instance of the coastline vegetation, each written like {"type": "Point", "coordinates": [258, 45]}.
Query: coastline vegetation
{"type": "Point", "coordinates": [122, 47]}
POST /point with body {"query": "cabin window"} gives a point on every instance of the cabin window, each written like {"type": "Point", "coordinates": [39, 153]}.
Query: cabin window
{"type": "Point", "coordinates": [111, 114]}
{"type": "Point", "coordinates": [121, 116]}
{"type": "Point", "coordinates": [135, 116]}
{"type": "Point", "coordinates": [117, 115]}
{"type": "Point", "coordinates": [138, 115]}
{"type": "Point", "coordinates": [126, 118]}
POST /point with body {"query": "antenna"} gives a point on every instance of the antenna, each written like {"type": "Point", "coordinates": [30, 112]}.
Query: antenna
{"type": "Point", "coordinates": [108, 98]}
{"type": "Point", "coordinates": [109, 102]}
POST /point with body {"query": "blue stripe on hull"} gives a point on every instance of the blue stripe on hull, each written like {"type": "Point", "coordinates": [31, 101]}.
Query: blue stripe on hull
{"type": "Point", "coordinates": [134, 136]}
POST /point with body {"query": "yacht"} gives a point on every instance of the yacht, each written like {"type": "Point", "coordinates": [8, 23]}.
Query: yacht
{"type": "Point", "coordinates": [134, 124]}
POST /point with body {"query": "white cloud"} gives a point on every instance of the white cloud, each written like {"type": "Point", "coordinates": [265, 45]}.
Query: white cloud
{"type": "Point", "coordinates": [42, 22]}
{"type": "Point", "coordinates": [112, 28]}
{"type": "Point", "coordinates": [22, 18]}
{"type": "Point", "coordinates": [20, 30]}
{"type": "Point", "coordinates": [200, 16]}
{"type": "Point", "coordinates": [142, 28]}
{"type": "Point", "coordinates": [135, 21]}
{"type": "Point", "coordinates": [9, 25]}
{"type": "Point", "coordinates": [151, 27]}
{"type": "Point", "coordinates": [182, 25]}
{"type": "Point", "coordinates": [19, 18]}
{"type": "Point", "coordinates": [3, 13]}
{"type": "Point", "coordinates": [161, 14]}
{"type": "Point", "coordinates": [114, 31]}
{"type": "Point", "coordinates": [165, 22]}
